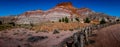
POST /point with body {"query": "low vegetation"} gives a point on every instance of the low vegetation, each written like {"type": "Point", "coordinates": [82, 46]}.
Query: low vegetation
{"type": "Point", "coordinates": [64, 19]}
{"type": "Point", "coordinates": [87, 20]}
{"type": "Point", "coordinates": [118, 20]}
{"type": "Point", "coordinates": [77, 19]}
{"type": "Point", "coordinates": [102, 21]}
{"type": "Point", "coordinates": [5, 26]}
{"type": "Point", "coordinates": [60, 20]}
{"type": "Point", "coordinates": [59, 26]}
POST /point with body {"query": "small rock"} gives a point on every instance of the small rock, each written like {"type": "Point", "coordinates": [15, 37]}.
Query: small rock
{"type": "Point", "coordinates": [5, 32]}
{"type": "Point", "coordinates": [15, 33]}
{"type": "Point", "coordinates": [18, 46]}
{"type": "Point", "coordinates": [57, 37]}
{"type": "Point", "coordinates": [29, 34]}
{"type": "Point", "coordinates": [24, 33]}
{"type": "Point", "coordinates": [27, 45]}
{"type": "Point", "coordinates": [56, 31]}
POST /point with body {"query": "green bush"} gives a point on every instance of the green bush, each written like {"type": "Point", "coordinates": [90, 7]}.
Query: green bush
{"type": "Point", "coordinates": [118, 20]}
{"type": "Point", "coordinates": [87, 20]}
{"type": "Point", "coordinates": [5, 26]}
{"type": "Point", "coordinates": [66, 20]}
{"type": "Point", "coordinates": [63, 19]}
{"type": "Point", "coordinates": [60, 20]}
{"type": "Point", "coordinates": [12, 23]}
{"type": "Point", "coordinates": [102, 21]}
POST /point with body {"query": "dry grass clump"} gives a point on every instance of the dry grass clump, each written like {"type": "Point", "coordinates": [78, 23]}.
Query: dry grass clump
{"type": "Point", "coordinates": [60, 26]}
{"type": "Point", "coordinates": [95, 22]}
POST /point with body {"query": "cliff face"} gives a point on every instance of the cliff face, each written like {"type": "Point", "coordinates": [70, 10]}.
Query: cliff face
{"type": "Point", "coordinates": [65, 8]}
{"type": "Point", "coordinates": [33, 13]}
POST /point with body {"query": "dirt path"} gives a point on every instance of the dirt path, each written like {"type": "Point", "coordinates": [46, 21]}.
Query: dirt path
{"type": "Point", "coordinates": [107, 37]}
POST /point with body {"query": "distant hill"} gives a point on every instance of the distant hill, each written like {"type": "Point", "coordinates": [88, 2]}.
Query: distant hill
{"type": "Point", "coordinates": [64, 9]}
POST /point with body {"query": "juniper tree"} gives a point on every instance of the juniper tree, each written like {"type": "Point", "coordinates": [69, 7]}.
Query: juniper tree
{"type": "Point", "coordinates": [102, 21]}
{"type": "Point", "coordinates": [87, 20]}
{"type": "Point", "coordinates": [66, 20]}
{"type": "Point", "coordinates": [12, 23]}
{"type": "Point", "coordinates": [60, 20]}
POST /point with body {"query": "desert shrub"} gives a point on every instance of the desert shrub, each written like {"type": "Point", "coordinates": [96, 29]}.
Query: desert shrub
{"type": "Point", "coordinates": [77, 19]}
{"type": "Point", "coordinates": [31, 24]}
{"type": "Point", "coordinates": [5, 26]}
{"type": "Point", "coordinates": [0, 22]}
{"type": "Point", "coordinates": [63, 19]}
{"type": "Point", "coordinates": [42, 31]}
{"type": "Point", "coordinates": [77, 28]}
{"type": "Point", "coordinates": [12, 23]}
{"type": "Point", "coordinates": [52, 21]}
{"type": "Point", "coordinates": [37, 31]}
{"type": "Point", "coordinates": [87, 20]}
{"type": "Point", "coordinates": [60, 20]}
{"type": "Point", "coordinates": [56, 31]}
{"type": "Point", "coordinates": [118, 20]}
{"type": "Point", "coordinates": [70, 29]}
{"type": "Point", "coordinates": [66, 20]}
{"type": "Point", "coordinates": [36, 38]}
{"type": "Point", "coordinates": [102, 21]}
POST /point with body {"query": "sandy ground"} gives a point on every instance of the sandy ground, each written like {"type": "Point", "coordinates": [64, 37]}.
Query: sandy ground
{"type": "Point", "coordinates": [107, 37]}
{"type": "Point", "coordinates": [18, 38]}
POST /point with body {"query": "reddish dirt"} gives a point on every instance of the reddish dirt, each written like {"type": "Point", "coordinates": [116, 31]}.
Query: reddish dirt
{"type": "Point", "coordinates": [18, 38]}
{"type": "Point", "coordinates": [107, 37]}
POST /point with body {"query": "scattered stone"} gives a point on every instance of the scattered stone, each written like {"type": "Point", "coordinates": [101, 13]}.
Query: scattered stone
{"type": "Point", "coordinates": [1, 37]}
{"type": "Point", "coordinates": [56, 32]}
{"type": "Point", "coordinates": [5, 32]}
{"type": "Point", "coordinates": [36, 38]}
{"type": "Point", "coordinates": [18, 30]}
{"type": "Point", "coordinates": [9, 38]}
{"type": "Point", "coordinates": [15, 33]}
{"type": "Point", "coordinates": [18, 46]}
{"type": "Point", "coordinates": [24, 33]}
{"type": "Point", "coordinates": [57, 37]}
{"type": "Point", "coordinates": [91, 41]}
{"type": "Point", "coordinates": [27, 45]}
{"type": "Point", "coordinates": [94, 35]}
{"type": "Point", "coordinates": [20, 39]}
{"type": "Point", "coordinates": [29, 35]}
{"type": "Point", "coordinates": [37, 31]}
{"type": "Point", "coordinates": [43, 31]}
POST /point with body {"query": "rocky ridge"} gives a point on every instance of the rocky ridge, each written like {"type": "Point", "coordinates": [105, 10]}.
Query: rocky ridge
{"type": "Point", "coordinates": [65, 9]}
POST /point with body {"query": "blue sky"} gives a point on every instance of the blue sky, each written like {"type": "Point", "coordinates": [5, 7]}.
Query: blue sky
{"type": "Point", "coordinates": [15, 7]}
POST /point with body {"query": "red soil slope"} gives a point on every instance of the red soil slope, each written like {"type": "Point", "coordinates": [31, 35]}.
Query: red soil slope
{"type": "Point", "coordinates": [107, 37]}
